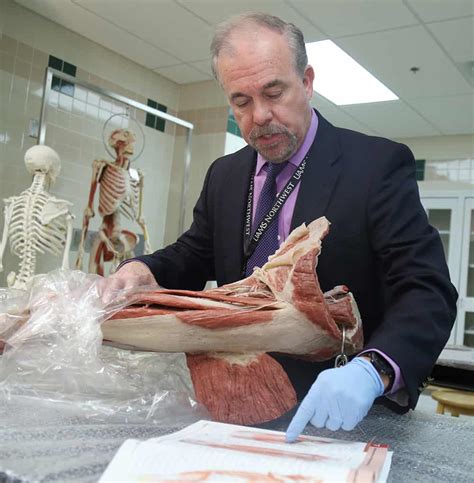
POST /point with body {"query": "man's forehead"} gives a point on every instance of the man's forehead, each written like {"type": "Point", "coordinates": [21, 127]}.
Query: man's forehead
{"type": "Point", "coordinates": [256, 73]}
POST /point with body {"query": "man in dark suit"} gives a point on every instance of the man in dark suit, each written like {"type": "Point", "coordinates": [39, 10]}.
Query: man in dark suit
{"type": "Point", "coordinates": [380, 243]}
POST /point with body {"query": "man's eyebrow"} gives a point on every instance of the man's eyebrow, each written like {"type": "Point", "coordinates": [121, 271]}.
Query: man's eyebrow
{"type": "Point", "coordinates": [268, 85]}
{"type": "Point", "coordinates": [235, 95]}
{"type": "Point", "coordinates": [273, 83]}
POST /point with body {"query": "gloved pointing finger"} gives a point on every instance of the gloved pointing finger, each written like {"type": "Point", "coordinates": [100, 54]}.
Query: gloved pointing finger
{"type": "Point", "coordinates": [302, 417]}
{"type": "Point", "coordinates": [339, 398]}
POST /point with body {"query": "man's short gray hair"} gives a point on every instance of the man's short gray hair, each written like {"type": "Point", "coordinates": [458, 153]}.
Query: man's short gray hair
{"type": "Point", "coordinates": [292, 33]}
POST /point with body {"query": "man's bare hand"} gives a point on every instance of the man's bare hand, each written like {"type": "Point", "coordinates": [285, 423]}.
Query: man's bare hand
{"type": "Point", "coordinates": [130, 276]}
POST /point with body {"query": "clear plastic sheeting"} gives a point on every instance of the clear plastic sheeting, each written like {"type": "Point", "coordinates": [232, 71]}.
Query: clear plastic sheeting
{"type": "Point", "coordinates": [53, 354]}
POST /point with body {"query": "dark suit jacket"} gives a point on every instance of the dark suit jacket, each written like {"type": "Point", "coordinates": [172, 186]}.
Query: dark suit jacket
{"type": "Point", "coordinates": [380, 245]}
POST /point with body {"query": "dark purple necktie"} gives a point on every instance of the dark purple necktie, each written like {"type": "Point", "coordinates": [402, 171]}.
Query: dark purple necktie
{"type": "Point", "coordinates": [268, 242]}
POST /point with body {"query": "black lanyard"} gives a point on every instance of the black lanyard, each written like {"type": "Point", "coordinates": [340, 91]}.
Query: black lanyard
{"type": "Point", "coordinates": [250, 241]}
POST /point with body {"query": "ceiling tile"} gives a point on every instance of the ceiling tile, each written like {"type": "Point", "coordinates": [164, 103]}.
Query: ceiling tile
{"type": "Point", "coordinates": [182, 74]}
{"type": "Point", "coordinates": [433, 10]}
{"type": "Point", "coordinates": [337, 116]}
{"type": "Point", "coordinates": [457, 37]}
{"type": "Point", "coordinates": [204, 66]}
{"type": "Point", "coordinates": [164, 24]}
{"type": "Point", "coordinates": [101, 31]}
{"type": "Point", "coordinates": [340, 18]}
{"type": "Point", "coordinates": [390, 55]}
{"type": "Point", "coordinates": [452, 115]}
{"type": "Point", "coordinates": [215, 11]}
{"type": "Point", "coordinates": [392, 119]}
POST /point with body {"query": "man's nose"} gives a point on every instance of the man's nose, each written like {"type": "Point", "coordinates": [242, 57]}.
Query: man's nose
{"type": "Point", "coordinates": [262, 113]}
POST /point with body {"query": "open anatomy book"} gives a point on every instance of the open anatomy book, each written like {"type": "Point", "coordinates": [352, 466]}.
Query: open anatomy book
{"type": "Point", "coordinates": [208, 451]}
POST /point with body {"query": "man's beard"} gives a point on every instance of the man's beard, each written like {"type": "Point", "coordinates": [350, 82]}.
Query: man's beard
{"type": "Point", "coordinates": [285, 149]}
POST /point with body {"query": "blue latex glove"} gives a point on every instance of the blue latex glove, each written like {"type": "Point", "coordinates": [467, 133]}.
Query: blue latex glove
{"type": "Point", "coordinates": [339, 397]}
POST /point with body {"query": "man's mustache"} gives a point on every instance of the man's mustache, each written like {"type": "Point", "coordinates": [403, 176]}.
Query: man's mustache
{"type": "Point", "coordinates": [257, 132]}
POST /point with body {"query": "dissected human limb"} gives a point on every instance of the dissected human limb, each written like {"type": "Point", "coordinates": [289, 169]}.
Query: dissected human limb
{"type": "Point", "coordinates": [241, 388]}
{"type": "Point", "coordinates": [225, 331]}
{"type": "Point", "coordinates": [280, 305]}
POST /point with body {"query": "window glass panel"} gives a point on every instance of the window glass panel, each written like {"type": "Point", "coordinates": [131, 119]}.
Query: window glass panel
{"type": "Point", "coordinates": [470, 261]}
{"type": "Point", "coordinates": [55, 63]}
{"type": "Point", "coordinates": [440, 218]}
{"type": "Point", "coordinates": [56, 83]}
{"type": "Point", "coordinates": [469, 329]}
{"type": "Point", "coordinates": [69, 69]}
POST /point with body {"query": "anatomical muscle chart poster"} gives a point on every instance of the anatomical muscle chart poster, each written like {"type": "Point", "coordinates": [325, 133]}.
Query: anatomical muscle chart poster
{"type": "Point", "coordinates": [208, 451]}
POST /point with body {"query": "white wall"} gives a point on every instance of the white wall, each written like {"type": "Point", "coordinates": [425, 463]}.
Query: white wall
{"type": "Point", "coordinates": [441, 147]}
{"type": "Point", "coordinates": [203, 104]}
{"type": "Point", "coordinates": [449, 161]}
{"type": "Point", "coordinates": [233, 143]}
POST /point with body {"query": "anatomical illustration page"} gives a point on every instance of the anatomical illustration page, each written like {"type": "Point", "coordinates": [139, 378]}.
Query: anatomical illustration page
{"type": "Point", "coordinates": [208, 451]}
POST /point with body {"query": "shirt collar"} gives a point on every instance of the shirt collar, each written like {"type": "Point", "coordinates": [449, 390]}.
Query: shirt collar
{"type": "Point", "coordinates": [304, 148]}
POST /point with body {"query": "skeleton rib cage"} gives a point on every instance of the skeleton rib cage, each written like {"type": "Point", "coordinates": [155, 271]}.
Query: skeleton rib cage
{"type": "Point", "coordinates": [118, 191]}
{"type": "Point", "coordinates": [37, 223]}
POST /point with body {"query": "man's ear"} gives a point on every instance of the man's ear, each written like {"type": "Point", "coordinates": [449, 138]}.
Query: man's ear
{"type": "Point", "coordinates": [308, 80]}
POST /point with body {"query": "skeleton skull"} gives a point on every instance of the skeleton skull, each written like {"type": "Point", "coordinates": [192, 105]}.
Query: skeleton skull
{"type": "Point", "coordinates": [122, 140]}
{"type": "Point", "coordinates": [43, 159]}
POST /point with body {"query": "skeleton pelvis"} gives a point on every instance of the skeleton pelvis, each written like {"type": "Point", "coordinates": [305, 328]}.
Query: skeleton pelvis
{"type": "Point", "coordinates": [122, 242]}
{"type": "Point", "coordinates": [126, 242]}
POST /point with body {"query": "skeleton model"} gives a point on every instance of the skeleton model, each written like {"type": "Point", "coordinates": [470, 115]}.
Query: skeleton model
{"type": "Point", "coordinates": [35, 221]}
{"type": "Point", "coordinates": [120, 192]}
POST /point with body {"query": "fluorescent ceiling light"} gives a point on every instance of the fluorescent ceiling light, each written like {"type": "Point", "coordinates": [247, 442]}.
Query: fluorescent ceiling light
{"type": "Point", "coordinates": [341, 79]}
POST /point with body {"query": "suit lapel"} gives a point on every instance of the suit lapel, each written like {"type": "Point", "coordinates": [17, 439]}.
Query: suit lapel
{"type": "Point", "coordinates": [320, 176]}
{"type": "Point", "coordinates": [237, 187]}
